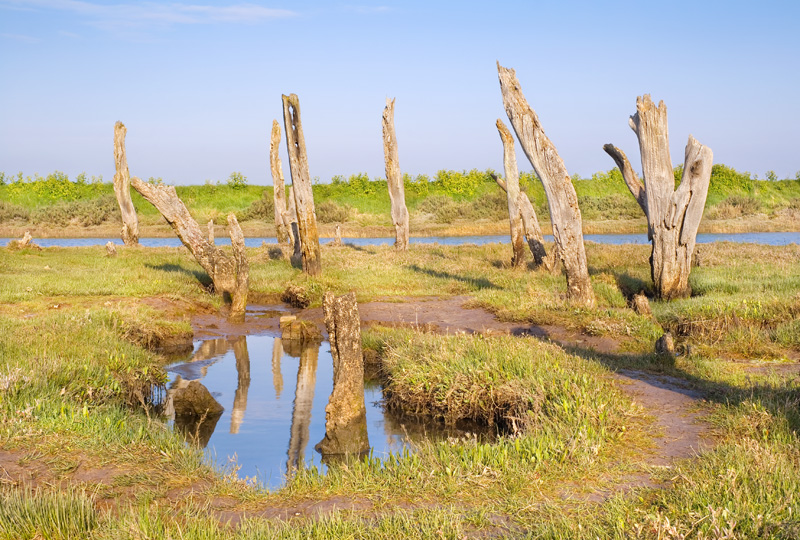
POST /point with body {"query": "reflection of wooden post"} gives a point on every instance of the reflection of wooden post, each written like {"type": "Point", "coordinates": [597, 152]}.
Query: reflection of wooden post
{"type": "Point", "coordinates": [122, 188]}
{"type": "Point", "coordinates": [243, 385]}
{"type": "Point", "coordinates": [303, 402]}
{"type": "Point", "coordinates": [277, 377]}
{"type": "Point", "coordinates": [394, 179]}
{"type": "Point", "coordinates": [345, 415]}
{"type": "Point", "coordinates": [282, 224]}
{"type": "Point", "coordinates": [301, 182]}
{"type": "Point", "coordinates": [229, 273]}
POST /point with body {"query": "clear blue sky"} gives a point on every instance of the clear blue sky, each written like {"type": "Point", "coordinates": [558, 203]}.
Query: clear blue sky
{"type": "Point", "coordinates": [198, 83]}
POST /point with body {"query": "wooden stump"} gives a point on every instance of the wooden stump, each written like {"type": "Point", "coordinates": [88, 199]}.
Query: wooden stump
{"type": "Point", "coordinates": [111, 249]}
{"type": "Point", "coordinates": [229, 273]}
{"type": "Point", "coordinates": [301, 183]}
{"type": "Point", "coordinates": [394, 179]}
{"type": "Point", "coordinates": [673, 215]}
{"type": "Point", "coordinates": [561, 196]}
{"type": "Point", "coordinates": [122, 188]}
{"type": "Point", "coordinates": [345, 414]}
{"type": "Point", "coordinates": [337, 236]}
{"type": "Point", "coordinates": [282, 219]}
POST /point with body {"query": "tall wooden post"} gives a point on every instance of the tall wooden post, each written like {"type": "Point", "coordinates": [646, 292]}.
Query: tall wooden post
{"type": "Point", "coordinates": [301, 182]}
{"type": "Point", "coordinates": [122, 188]}
{"type": "Point", "coordinates": [282, 223]}
{"type": "Point", "coordinates": [673, 215]}
{"type": "Point", "coordinates": [512, 194]}
{"type": "Point", "coordinates": [561, 197]}
{"type": "Point", "coordinates": [394, 179]}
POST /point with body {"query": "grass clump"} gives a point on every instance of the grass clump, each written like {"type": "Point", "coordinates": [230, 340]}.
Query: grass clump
{"type": "Point", "coordinates": [52, 515]}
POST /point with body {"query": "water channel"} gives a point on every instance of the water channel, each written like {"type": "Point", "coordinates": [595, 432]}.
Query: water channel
{"type": "Point", "coordinates": [274, 394]}
{"type": "Point", "coordinates": [765, 238]}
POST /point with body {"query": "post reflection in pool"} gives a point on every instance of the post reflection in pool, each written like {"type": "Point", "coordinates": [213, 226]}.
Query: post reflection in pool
{"type": "Point", "coordinates": [274, 394]}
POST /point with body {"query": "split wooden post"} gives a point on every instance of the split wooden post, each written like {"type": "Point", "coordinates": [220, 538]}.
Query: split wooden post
{"type": "Point", "coordinates": [229, 273]}
{"type": "Point", "coordinates": [122, 188]}
{"type": "Point", "coordinates": [282, 222]}
{"type": "Point", "coordinates": [561, 197]}
{"type": "Point", "coordinates": [301, 182]}
{"type": "Point", "coordinates": [512, 195]}
{"type": "Point", "coordinates": [394, 179]}
{"type": "Point", "coordinates": [345, 414]}
{"type": "Point", "coordinates": [673, 215]}
{"type": "Point", "coordinates": [530, 225]}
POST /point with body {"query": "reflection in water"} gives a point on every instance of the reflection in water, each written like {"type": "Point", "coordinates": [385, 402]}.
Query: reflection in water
{"type": "Point", "coordinates": [243, 382]}
{"type": "Point", "coordinates": [303, 403]}
{"type": "Point", "coordinates": [197, 429]}
{"type": "Point", "coordinates": [277, 378]}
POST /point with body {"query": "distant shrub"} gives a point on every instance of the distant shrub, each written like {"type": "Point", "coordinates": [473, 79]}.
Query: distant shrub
{"type": "Point", "coordinates": [615, 206]}
{"type": "Point", "coordinates": [733, 207]}
{"type": "Point", "coordinates": [331, 212]}
{"type": "Point", "coordinates": [726, 180]}
{"type": "Point", "coordinates": [263, 208]}
{"type": "Point", "coordinates": [237, 180]}
{"type": "Point", "coordinates": [441, 207]}
{"type": "Point", "coordinates": [12, 212]}
{"type": "Point", "coordinates": [84, 212]}
{"type": "Point", "coordinates": [492, 206]}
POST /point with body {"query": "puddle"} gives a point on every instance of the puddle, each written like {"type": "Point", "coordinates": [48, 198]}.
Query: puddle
{"type": "Point", "coordinates": [274, 399]}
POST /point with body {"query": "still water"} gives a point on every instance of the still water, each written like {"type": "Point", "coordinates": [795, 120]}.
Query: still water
{"type": "Point", "coordinates": [765, 238]}
{"type": "Point", "coordinates": [274, 394]}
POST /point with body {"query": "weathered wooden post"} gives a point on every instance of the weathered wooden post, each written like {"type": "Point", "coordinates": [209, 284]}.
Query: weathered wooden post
{"type": "Point", "coordinates": [530, 224]}
{"type": "Point", "coordinates": [561, 197]}
{"type": "Point", "coordinates": [122, 188]}
{"type": "Point", "coordinates": [511, 188]}
{"type": "Point", "coordinates": [394, 179]}
{"type": "Point", "coordinates": [229, 273]}
{"type": "Point", "coordinates": [301, 182]}
{"type": "Point", "coordinates": [673, 215]}
{"type": "Point", "coordinates": [282, 222]}
{"type": "Point", "coordinates": [294, 229]}
{"type": "Point", "coordinates": [345, 414]}
{"type": "Point", "coordinates": [337, 236]}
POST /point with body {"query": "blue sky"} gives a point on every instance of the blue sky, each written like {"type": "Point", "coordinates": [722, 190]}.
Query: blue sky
{"type": "Point", "coordinates": [199, 83]}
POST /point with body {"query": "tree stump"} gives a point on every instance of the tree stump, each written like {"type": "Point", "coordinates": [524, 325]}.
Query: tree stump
{"type": "Point", "coordinates": [337, 236]}
{"type": "Point", "coordinates": [111, 249]}
{"type": "Point", "coordinates": [394, 179]}
{"type": "Point", "coordinates": [301, 182]}
{"type": "Point", "coordinates": [561, 197]}
{"type": "Point", "coordinates": [228, 272]}
{"type": "Point", "coordinates": [673, 215]}
{"type": "Point", "coordinates": [345, 414]}
{"type": "Point", "coordinates": [25, 242]}
{"type": "Point", "coordinates": [282, 220]}
{"type": "Point", "coordinates": [122, 188]}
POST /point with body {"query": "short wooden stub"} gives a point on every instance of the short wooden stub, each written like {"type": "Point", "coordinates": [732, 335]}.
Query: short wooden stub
{"type": "Point", "coordinates": [345, 415]}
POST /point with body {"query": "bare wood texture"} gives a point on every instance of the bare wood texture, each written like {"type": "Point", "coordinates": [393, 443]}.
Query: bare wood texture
{"type": "Point", "coordinates": [561, 197]}
{"type": "Point", "coordinates": [512, 195]}
{"type": "Point", "coordinates": [394, 179]}
{"type": "Point", "coordinates": [122, 188]}
{"type": "Point", "coordinates": [229, 273]}
{"type": "Point", "coordinates": [294, 230]}
{"type": "Point", "coordinates": [211, 231]}
{"type": "Point", "coordinates": [345, 414]}
{"type": "Point", "coordinates": [282, 221]}
{"type": "Point", "coordinates": [531, 228]}
{"type": "Point", "coordinates": [301, 182]}
{"type": "Point", "coordinates": [673, 215]}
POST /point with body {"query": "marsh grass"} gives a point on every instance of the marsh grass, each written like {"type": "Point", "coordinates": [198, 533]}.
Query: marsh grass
{"type": "Point", "coordinates": [27, 514]}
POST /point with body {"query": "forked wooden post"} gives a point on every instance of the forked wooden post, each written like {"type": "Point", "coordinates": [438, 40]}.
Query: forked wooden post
{"type": "Point", "coordinates": [301, 182]}
{"type": "Point", "coordinates": [282, 221]}
{"type": "Point", "coordinates": [345, 414]}
{"type": "Point", "coordinates": [122, 188]}
{"type": "Point", "coordinates": [394, 179]}
{"type": "Point", "coordinates": [512, 195]}
{"type": "Point", "coordinates": [530, 225]}
{"type": "Point", "coordinates": [561, 197]}
{"type": "Point", "coordinates": [673, 215]}
{"type": "Point", "coordinates": [229, 273]}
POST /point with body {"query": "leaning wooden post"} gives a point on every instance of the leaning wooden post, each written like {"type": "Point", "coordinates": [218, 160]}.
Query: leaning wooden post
{"type": "Point", "coordinates": [345, 414]}
{"type": "Point", "coordinates": [512, 194]}
{"type": "Point", "coordinates": [673, 215]}
{"type": "Point", "coordinates": [301, 182]}
{"type": "Point", "coordinates": [394, 179]}
{"type": "Point", "coordinates": [229, 273]}
{"type": "Point", "coordinates": [122, 188]}
{"type": "Point", "coordinates": [282, 223]}
{"type": "Point", "coordinates": [530, 224]}
{"type": "Point", "coordinates": [561, 197]}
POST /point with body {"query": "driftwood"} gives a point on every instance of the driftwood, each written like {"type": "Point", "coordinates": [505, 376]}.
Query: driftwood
{"type": "Point", "coordinates": [561, 197]}
{"type": "Point", "coordinates": [394, 179]}
{"type": "Point", "coordinates": [122, 188]}
{"type": "Point", "coordinates": [301, 182]}
{"type": "Point", "coordinates": [345, 414]}
{"type": "Point", "coordinates": [228, 272]}
{"type": "Point", "coordinates": [282, 220]}
{"type": "Point", "coordinates": [673, 215]}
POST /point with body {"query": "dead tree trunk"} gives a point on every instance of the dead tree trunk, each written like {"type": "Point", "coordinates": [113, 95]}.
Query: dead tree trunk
{"type": "Point", "coordinates": [122, 188]}
{"type": "Point", "coordinates": [345, 415]}
{"type": "Point", "coordinates": [673, 215]}
{"type": "Point", "coordinates": [561, 197]}
{"type": "Point", "coordinates": [294, 230]}
{"type": "Point", "coordinates": [282, 223]}
{"type": "Point", "coordinates": [303, 194]}
{"type": "Point", "coordinates": [530, 225]}
{"type": "Point", "coordinates": [229, 273]}
{"type": "Point", "coordinates": [512, 195]}
{"type": "Point", "coordinates": [394, 179]}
